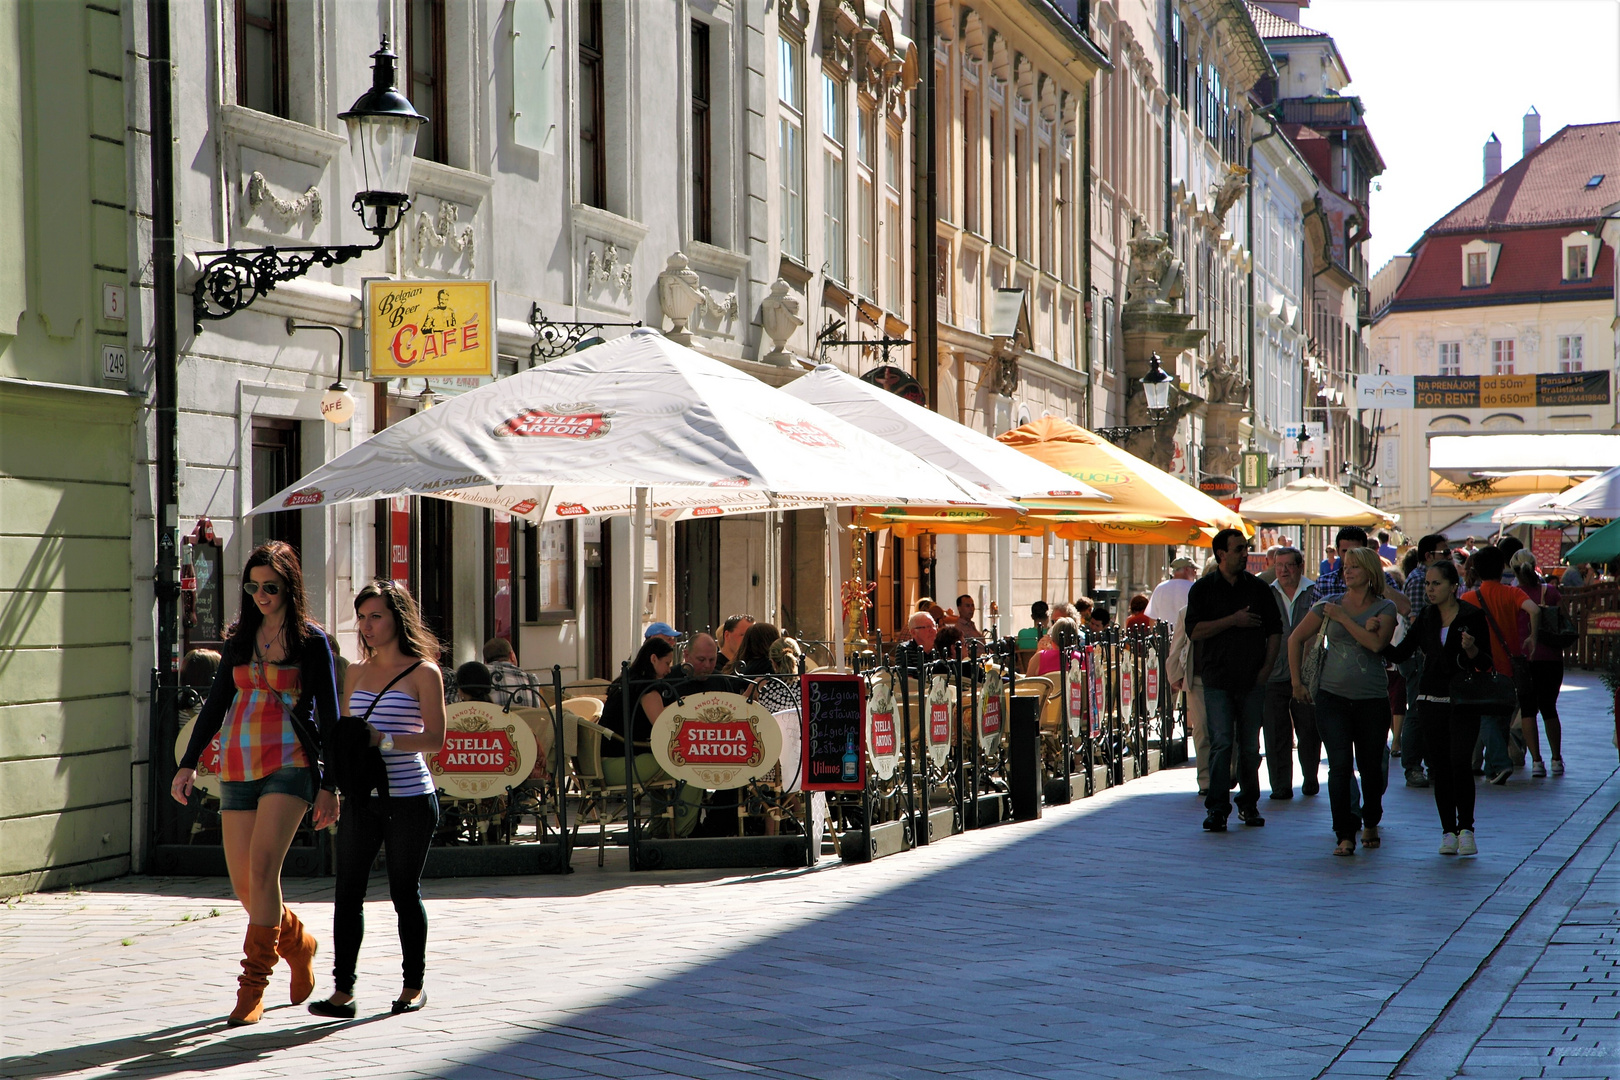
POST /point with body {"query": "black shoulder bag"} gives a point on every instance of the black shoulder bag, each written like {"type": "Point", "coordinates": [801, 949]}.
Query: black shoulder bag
{"type": "Point", "coordinates": [356, 767]}
{"type": "Point", "coordinates": [1554, 629]}
{"type": "Point", "coordinates": [1489, 691]}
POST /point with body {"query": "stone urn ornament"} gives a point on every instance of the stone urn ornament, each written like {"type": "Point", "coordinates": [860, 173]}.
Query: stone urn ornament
{"type": "Point", "coordinates": [779, 314]}
{"type": "Point", "coordinates": [679, 294]}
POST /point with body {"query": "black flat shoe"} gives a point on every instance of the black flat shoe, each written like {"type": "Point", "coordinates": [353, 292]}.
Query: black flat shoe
{"type": "Point", "coordinates": [333, 1010]}
{"type": "Point", "coordinates": [1214, 823]}
{"type": "Point", "coordinates": [413, 1005]}
{"type": "Point", "coordinates": [1252, 818]}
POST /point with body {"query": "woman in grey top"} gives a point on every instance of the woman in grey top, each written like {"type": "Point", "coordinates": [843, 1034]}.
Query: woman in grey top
{"type": "Point", "coordinates": [1352, 704]}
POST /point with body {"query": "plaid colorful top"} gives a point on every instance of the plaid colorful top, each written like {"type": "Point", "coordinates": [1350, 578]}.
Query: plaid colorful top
{"type": "Point", "coordinates": [257, 737]}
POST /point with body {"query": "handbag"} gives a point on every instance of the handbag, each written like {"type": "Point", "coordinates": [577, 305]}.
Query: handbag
{"type": "Point", "coordinates": [1311, 663]}
{"type": "Point", "coordinates": [1554, 629]}
{"type": "Point", "coordinates": [355, 766]}
{"type": "Point", "coordinates": [1490, 691]}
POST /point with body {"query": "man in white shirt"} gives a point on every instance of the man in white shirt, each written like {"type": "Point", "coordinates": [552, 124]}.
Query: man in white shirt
{"type": "Point", "coordinates": [1284, 717]}
{"type": "Point", "coordinates": [1169, 598]}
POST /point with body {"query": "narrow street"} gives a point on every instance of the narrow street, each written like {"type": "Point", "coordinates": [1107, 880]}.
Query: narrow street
{"type": "Point", "coordinates": [1111, 939]}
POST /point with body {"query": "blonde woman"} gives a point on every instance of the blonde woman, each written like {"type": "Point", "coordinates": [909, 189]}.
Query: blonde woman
{"type": "Point", "coordinates": [1352, 704]}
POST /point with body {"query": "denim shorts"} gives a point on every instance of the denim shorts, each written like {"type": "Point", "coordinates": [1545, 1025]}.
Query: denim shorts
{"type": "Point", "coordinates": [295, 780]}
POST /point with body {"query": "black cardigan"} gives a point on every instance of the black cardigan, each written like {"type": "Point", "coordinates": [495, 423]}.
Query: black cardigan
{"type": "Point", "coordinates": [312, 717]}
{"type": "Point", "coordinates": [1444, 661]}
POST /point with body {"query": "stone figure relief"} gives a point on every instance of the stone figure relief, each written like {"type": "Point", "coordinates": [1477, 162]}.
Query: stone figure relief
{"type": "Point", "coordinates": [436, 232]}
{"type": "Point", "coordinates": [288, 210]}
{"type": "Point", "coordinates": [1155, 272]}
{"type": "Point", "coordinates": [606, 265]}
{"type": "Point", "coordinates": [1225, 194]}
{"type": "Point", "coordinates": [1225, 380]}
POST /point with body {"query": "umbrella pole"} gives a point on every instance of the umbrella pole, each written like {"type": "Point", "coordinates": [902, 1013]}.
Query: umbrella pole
{"type": "Point", "coordinates": [835, 585]}
{"type": "Point", "coordinates": [638, 570]}
{"type": "Point", "coordinates": [1070, 594]}
{"type": "Point", "coordinates": [1046, 562]}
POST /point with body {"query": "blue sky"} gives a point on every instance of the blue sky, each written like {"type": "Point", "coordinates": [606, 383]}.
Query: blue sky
{"type": "Point", "coordinates": [1438, 76]}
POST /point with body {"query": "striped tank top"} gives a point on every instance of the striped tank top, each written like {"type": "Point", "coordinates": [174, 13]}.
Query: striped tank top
{"type": "Point", "coordinates": [397, 714]}
{"type": "Point", "coordinates": [257, 737]}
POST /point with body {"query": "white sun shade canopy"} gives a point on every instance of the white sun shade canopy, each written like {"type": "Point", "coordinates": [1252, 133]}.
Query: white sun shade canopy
{"type": "Point", "coordinates": [1598, 497]}
{"type": "Point", "coordinates": [967, 454]}
{"type": "Point", "coordinates": [578, 437]}
{"type": "Point", "coordinates": [1465, 458]}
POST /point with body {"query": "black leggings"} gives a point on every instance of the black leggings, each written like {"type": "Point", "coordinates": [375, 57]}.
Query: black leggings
{"type": "Point", "coordinates": [406, 825]}
{"type": "Point", "coordinates": [1449, 735]}
{"type": "Point", "coordinates": [1546, 680]}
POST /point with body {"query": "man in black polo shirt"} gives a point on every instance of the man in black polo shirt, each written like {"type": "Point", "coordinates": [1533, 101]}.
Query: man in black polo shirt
{"type": "Point", "coordinates": [1236, 631]}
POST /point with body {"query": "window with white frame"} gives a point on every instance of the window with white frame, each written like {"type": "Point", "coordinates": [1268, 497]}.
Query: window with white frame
{"type": "Point", "coordinates": [1479, 262]}
{"type": "Point", "coordinates": [834, 216]}
{"type": "Point", "coordinates": [1570, 352]}
{"type": "Point", "coordinates": [1501, 356]}
{"type": "Point", "coordinates": [1477, 272]}
{"type": "Point", "coordinates": [790, 145]}
{"type": "Point", "coordinates": [866, 136]}
{"type": "Point", "coordinates": [1577, 263]}
{"type": "Point", "coordinates": [1451, 358]}
{"type": "Point", "coordinates": [894, 229]}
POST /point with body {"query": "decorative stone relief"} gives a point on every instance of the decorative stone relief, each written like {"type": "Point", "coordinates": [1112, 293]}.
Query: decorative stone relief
{"type": "Point", "coordinates": [1048, 98]}
{"type": "Point", "coordinates": [973, 36]}
{"type": "Point", "coordinates": [1530, 343]}
{"type": "Point", "coordinates": [1476, 343]}
{"type": "Point", "coordinates": [1000, 58]}
{"type": "Point", "coordinates": [606, 268]}
{"type": "Point", "coordinates": [1225, 194]}
{"type": "Point", "coordinates": [945, 19]}
{"type": "Point", "coordinates": [1424, 346]}
{"type": "Point", "coordinates": [1155, 273]}
{"type": "Point", "coordinates": [1024, 75]}
{"type": "Point", "coordinates": [1225, 381]}
{"type": "Point", "coordinates": [436, 234]}
{"type": "Point", "coordinates": [779, 315]}
{"type": "Point", "coordinates": [839, 22]}
{"type": "Point", "coordinates": [287, 210]}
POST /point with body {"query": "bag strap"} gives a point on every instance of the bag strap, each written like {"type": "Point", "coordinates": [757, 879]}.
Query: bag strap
{"type": "Point", "coordinates": [1485, 606]}
{"type": "Point", "coordinates": [367, 717]}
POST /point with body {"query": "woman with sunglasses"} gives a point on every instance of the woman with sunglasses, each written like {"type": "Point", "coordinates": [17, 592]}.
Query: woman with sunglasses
{"type": "Point", "coordinates": [271, 704]}
{"type": "Point", "coordinates": [1451, 636]}
{"type": "Point", "coordinates": [399, 691]}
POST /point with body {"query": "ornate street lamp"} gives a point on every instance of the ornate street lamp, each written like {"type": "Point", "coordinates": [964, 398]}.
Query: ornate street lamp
{"type": "Point", "coordinates": [1156, 386]}
{"type": "Point", "coordinates": [382, 138]}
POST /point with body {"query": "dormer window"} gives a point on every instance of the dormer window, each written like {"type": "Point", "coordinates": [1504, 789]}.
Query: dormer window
{"type": "Point", "coordinates": [1580, 252]}
{"type": "Point", "coordinates": [1479, 263]}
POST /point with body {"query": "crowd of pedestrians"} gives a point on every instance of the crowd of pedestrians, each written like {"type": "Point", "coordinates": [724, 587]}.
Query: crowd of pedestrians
{"type": "Point", "coordinates": [1443, 672]}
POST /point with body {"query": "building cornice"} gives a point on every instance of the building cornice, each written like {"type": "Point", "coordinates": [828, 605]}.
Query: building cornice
{"type": "Point", "coordinates": [1442, 303]}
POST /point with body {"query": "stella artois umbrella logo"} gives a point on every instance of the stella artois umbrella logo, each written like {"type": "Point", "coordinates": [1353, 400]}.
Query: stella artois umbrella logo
{"type": "Point", "coordinates": [486, 751]}
{"type": "Point", "coordinates": [717, 741]}
{"type": "Point", "coordinates": [882, 743]}
{"type": "Point", "coordinates": [807, 434]}
{"type": "Point", "coordinates": [732, 482]}
{"type": "Point", "coordinates": [525, 507]}
{"type": "Point", "coordinates": [706, 511]}
{"type": "Point", "coordinates": [577, 421]}
{"type": "Point", "coordinates": [570, 509]}
{"type": "Point", "coordinates": [304, 497]}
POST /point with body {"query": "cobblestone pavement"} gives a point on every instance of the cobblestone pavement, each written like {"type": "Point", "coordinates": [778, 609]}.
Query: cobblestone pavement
{"type": "Point", "coordinates": [1110, 939]}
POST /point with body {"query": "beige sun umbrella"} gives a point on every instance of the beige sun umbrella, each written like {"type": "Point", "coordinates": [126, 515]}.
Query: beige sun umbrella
{"type": "Point", "coordinates": [1310, 500]}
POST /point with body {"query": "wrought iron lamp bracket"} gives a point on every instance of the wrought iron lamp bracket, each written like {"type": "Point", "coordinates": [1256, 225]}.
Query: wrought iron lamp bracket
{"type": "Point", "coordinates": [553, 339]}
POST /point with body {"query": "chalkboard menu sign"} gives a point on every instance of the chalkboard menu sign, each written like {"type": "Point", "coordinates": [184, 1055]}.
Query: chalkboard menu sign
{"type": "Point", "coordinates": [834, 712]}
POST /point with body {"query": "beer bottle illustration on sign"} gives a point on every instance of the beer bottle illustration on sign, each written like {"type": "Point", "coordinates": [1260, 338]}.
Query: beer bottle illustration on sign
{"type": "Point", "coordinates": [851, 762]}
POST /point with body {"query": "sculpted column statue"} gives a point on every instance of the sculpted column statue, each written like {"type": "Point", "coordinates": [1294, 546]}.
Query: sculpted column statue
{"type": "Point", "coordinates": [1228, 388]}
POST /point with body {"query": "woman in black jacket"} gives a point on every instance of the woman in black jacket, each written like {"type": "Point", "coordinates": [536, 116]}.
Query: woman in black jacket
{"type": "Point", "coordinates": [1450, 634]}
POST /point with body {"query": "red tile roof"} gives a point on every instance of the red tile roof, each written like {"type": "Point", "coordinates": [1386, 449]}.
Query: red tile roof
{"type": "Point", "coordinates": [1274, 27]}
{"type": "Point", "coordinates": [1529, 269]}
{"type": "Point", "coordinates": [1548, 186]}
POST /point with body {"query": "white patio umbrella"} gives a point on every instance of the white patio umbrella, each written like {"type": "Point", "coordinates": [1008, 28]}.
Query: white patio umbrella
{"type": "Point", "coordinates": [1598, 497]}
{"type": "Point", "coordinates": [1536, 506]}
{"type": "Point", "coordinates": [965, 452]}
{"type": "Point", "coordinates": [639, 425]}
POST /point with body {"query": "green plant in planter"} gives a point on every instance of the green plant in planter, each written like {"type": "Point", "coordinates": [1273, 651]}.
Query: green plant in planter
{"type": "Point", "coordinates": [1608, 666]}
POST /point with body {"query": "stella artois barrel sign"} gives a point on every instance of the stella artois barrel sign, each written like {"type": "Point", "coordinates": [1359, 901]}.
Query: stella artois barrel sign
{"type": "Point", "coordinates": [207, 778]}
{"type": "Point", "coordinates": [990, 711]}
{"type": "Point", "coordinates": [1127, 685]}
{"type": "Point", "coordinates": [1077, 696]}
{"type": "Point", "coordinates": [716, 740]}
{"type": "Point", "coordinates": [485, 751]}
{"type": "Point", "coordinates": [1150, 686]}
{"type": "Point", "coordinates": [1099, 679]}
{"type": "Point", "coordinates": [939, 721]}
{"type": "Point", "coordinates": [882, 742]}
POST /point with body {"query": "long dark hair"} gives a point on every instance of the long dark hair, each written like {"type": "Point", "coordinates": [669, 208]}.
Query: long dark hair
{"type": "Point", "coordinates": [296, 625]}
{"type": "Point", "coordinates": [756, 644]}
{"type": "Point", "coordinates": [414, 637]}
{"type": "Point", "coordinates": [641, 668]}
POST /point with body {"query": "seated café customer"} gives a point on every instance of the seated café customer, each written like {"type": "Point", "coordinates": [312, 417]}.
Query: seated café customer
{"type": "Point", "coordinates": [1030, 636]}
{"type": "Point", "coordinates": [1046, 659]}
{"type": "Point", "coordinates": [701, 670]}
{"type": "Point", "coordinates": [754, 652]}
{"type": "Point", "coordinates": [965, 611]}
{"type": "Point", "coordinates": [1138, 615]}
{"type": "Point", "coordinates": [923, 629]}
{"type": "Point", "coordinates": [652, 695]}
{"type": "Point", "coordinates": [731, 635]}
{"type": "Point", "coordinates": [508, 682]}
{"type": "Point", "coordinates": [948, 639]}
{"type": "Point", "coordinates": [473, 682]}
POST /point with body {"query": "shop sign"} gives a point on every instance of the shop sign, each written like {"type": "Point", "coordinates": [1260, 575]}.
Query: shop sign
{"type": "Point", "coordinates": [207, 778]}
{"type": "Point", "coordinates": [833, 711]}
{"type": "Point", "coordinates": [716, 740]}
{"type": "Point", "coordinates": [882, 747]}
{"type": "Point", "coordinates": [1547, 545]}
{"type": "Point", "coordinates": [430, 329]}
{"type": "Point", "coordinates": [1077, 696]}
{"type": "Point", "coordinates": [1255, 469]}
{"type": "Point", "coordinates": [486, 751]}
{"type": "Point", "coordinates": [990, 711]}
{"type": "Point", "coordinates": [939, 721]}
{"type": "Point", "coordinates": [1218, 487]}
{"type": "Point", "coordinates": [1603, 624]}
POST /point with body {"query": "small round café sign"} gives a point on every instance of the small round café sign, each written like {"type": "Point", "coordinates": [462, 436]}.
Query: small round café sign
{"type": "Point", "coordinates": [716, 740]}
{"type": "Point", "coordinates": [485, 751]}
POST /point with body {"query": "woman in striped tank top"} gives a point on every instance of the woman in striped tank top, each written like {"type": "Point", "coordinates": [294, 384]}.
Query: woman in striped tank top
{"type": "Point", "coordinates": [272, 702]}
{"type": "Point", "coordinates": [402, 687]}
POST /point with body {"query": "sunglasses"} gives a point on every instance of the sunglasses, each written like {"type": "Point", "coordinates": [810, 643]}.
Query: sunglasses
{"type": "Point", "coordinates": [270, 588]}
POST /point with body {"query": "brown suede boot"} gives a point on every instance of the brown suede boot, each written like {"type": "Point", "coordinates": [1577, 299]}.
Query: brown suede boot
{"type": "Point", "coordinates": [258, 960]}
{"type": "Point", "coordinates": [297, 946]}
